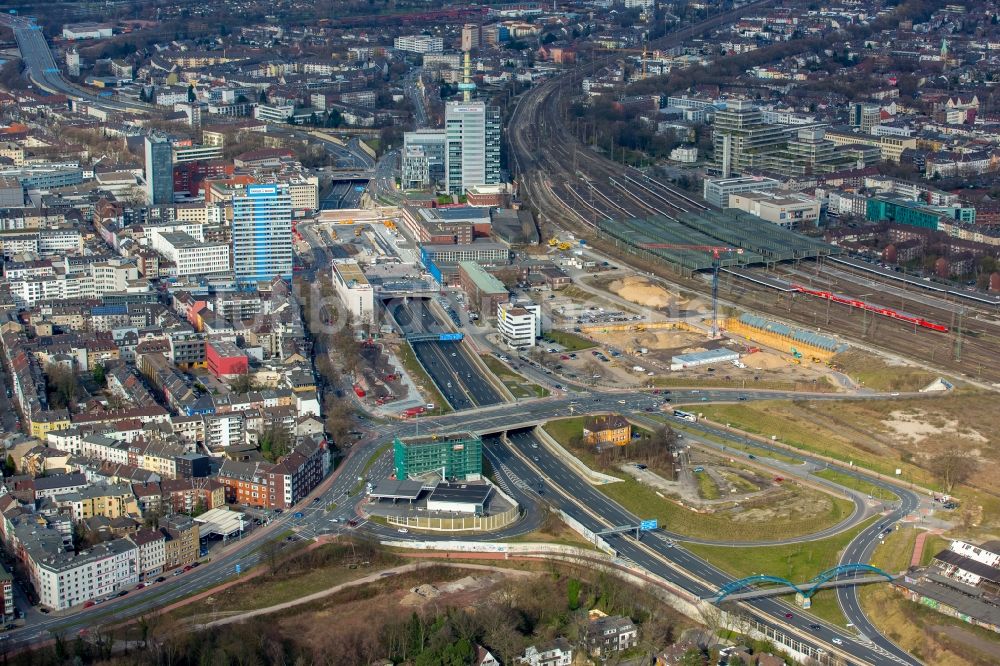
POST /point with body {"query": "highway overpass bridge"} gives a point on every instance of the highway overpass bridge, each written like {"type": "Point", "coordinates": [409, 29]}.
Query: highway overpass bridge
{"type": "Point", "coordinates": [838, 576]}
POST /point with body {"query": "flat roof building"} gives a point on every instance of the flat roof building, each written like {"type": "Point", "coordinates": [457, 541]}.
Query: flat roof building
{"type": "Point", "coordinates": [717, 190]}
{"type": "Point", "coordinates": [786, 210]}
{"type": "Point", "coordinates": [485, 292]}
{"type": "Point", "coordinates": [354, 291]}
{"type": "Point", "coordinates": [460, 497]}
{"type": "Point", "coordinates": [456, 456]}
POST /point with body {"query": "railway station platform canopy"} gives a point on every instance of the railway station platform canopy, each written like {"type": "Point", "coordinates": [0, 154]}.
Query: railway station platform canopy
{"type": "Point", "coordinates": [804, 336]}
{"type": "Point", "coordinates": [762, 242]}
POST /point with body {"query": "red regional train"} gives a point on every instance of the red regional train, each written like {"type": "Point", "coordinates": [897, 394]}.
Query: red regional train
{"type": "Point", "coordinates": [885, 312]}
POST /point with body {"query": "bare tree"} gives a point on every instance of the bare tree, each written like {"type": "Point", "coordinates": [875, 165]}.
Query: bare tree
{"type": "Point", "coordinates": [952, 468]}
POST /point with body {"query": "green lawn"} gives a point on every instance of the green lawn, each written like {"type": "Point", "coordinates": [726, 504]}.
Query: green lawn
{"type": "Point", "coordinates": [644, 502]}
{"type": "Point", "coordinates": [570, 341]}
{"type": "Point", "coordinates": [795, 562]}
{"type": "Point", "coordinates": [872, 372]}
{"type": "Point", "coordinates": [563, 432]}
{"type": "Point", "coordinates": [798, 562]}
{"type": "Point", "coordinates": [708, 489]}
{"type": "Point", "coordinates": [848, 481]}
{"type": "Point", "coordinates": [933, 545]}
{"type": "Point", "coordinates": [422, 380]}
{"type": "Point", "coordinates": [517, 384]}
{"type": "Point", "coordinates": [794, 427]}
{"type": "Point", "coordinates": [894, 554]}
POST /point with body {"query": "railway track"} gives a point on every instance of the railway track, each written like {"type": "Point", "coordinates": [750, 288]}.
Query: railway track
{"type": "Point", "coordinates": [575, 187]}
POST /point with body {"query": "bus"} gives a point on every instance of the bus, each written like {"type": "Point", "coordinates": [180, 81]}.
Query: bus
{"type": "Point", "coordinates": [687, 416]}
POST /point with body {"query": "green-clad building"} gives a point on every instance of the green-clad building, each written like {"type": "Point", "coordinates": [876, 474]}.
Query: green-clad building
{"type": "Point", "coordinates": [459, 455]}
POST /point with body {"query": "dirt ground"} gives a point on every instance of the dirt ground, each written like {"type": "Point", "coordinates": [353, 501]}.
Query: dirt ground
{"type": "Point", "coordinates": [641, 291]}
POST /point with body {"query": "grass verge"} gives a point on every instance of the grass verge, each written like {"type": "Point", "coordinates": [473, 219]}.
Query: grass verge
{"type": "Point", "coordinates": [517, 384]}
{"type": "Point", "coordinates": [423, 381]}
{"type": "Point", "coordinates": [797, 562]}
{"type": "Point", "coordinates": [297, 576]}
{"type": "Point", "coordinates": [571, 342]}
{"type": "Point", "coordinates": [872, 372]}
{"type": "Point", "coordinates": [708, 489]}
{"type": "Point", "coordinates": [644, 501]}
{"type": "Point", "coordinates": [862, 486]}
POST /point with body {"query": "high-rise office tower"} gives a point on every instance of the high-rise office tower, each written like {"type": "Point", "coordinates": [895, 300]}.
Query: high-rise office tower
{"type": "Point", "coordinates": [472, 36]}
{"type": "Point", "coordinates": [865, 116]}
{"type": "Point", "coordinates": [472, 145]}
{"type": "Point", "coordinates": [423, 158]}
{"type": "Point", "coordinates": [741, 138]}
{"type": "Point", "coordinates": [159, 171]}
{"type": "Point", "coordinates": [262, 233]}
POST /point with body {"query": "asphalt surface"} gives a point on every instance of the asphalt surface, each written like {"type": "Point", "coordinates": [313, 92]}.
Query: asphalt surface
{"type": "Point", "coordinates": [342, 493]}
{"type": "Point", "coordinates": [44, 72]}
{"type": "Point", "coordinates": [449, 364]}
{"type": "Point", "coordinates": [659, 555]}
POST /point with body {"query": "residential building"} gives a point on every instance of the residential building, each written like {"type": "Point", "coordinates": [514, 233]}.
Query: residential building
{"type": "Point", "coordinates": [152, 545]}
{"type": "Point", "coordinates": [607, 634]}
{"type": "Point", "coordinates": [554, 653]}
{"type": "Point", "coordinates": [7, 595]}
{"type": "Point", "coordinates": [607, 429]}
{"type": "Point", "coordinates": [63, 580]}
{"type": "Point", "coordinates": [419, 44]}
{"type": "Point", "coordinates": [472, 145]}
{"type": "Point", "coordinates": [159, 171]}
{"type": "Point", "coordinates": [183, 543]}
{"type": "Point", "coordinates": [262, 233]}
{"type": "Point", "coordinates": [456, 456]}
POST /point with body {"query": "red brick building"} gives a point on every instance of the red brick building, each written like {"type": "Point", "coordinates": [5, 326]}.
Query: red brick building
{"type": "Point", "coordinates": [280, 485]}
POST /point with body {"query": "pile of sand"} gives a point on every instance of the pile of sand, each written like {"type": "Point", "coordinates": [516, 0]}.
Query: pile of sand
{"type": "Point", "coordinates": [664, 339]}
{"type": "Point", "coordinates": [641, 292]}
{"type": "Point", "coordinates": [765, 361]}
{"type": "Point", "coordinates": [920, 426]}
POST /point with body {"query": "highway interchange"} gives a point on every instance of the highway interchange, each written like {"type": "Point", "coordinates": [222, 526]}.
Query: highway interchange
{"type": "Point", "coordinates": [522, 464]}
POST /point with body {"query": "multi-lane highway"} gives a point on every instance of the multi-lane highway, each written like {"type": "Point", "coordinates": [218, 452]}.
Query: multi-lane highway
{"type": "Point", "coordinates": [672, 562]}
{"type": "Point", "coordinates": [44, 72]}
{"type": "Point", "coordinates": [449, 364]}
{"type": "Point", "coordinates": [580, 501]}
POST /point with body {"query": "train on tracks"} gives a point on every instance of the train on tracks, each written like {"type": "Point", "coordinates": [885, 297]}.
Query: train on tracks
{"type": "Point", "coordinates": [877, 309]}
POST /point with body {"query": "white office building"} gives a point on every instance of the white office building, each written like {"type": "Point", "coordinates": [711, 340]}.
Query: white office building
{"type": "Point", "coordinates": [262, 233]}
{"type": "Point", "coordinates": [419, 44]}
{"type": "Point", "coordinates": [717, 190]}
{"type": "Point", "coordinates": [472, 145]}
{"type": "Point", "coordinates": [354, 291]}
{"type": "Point", "coordinates": [190, 255]}
{"type": "Point", "coordinates": [519, 324]}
